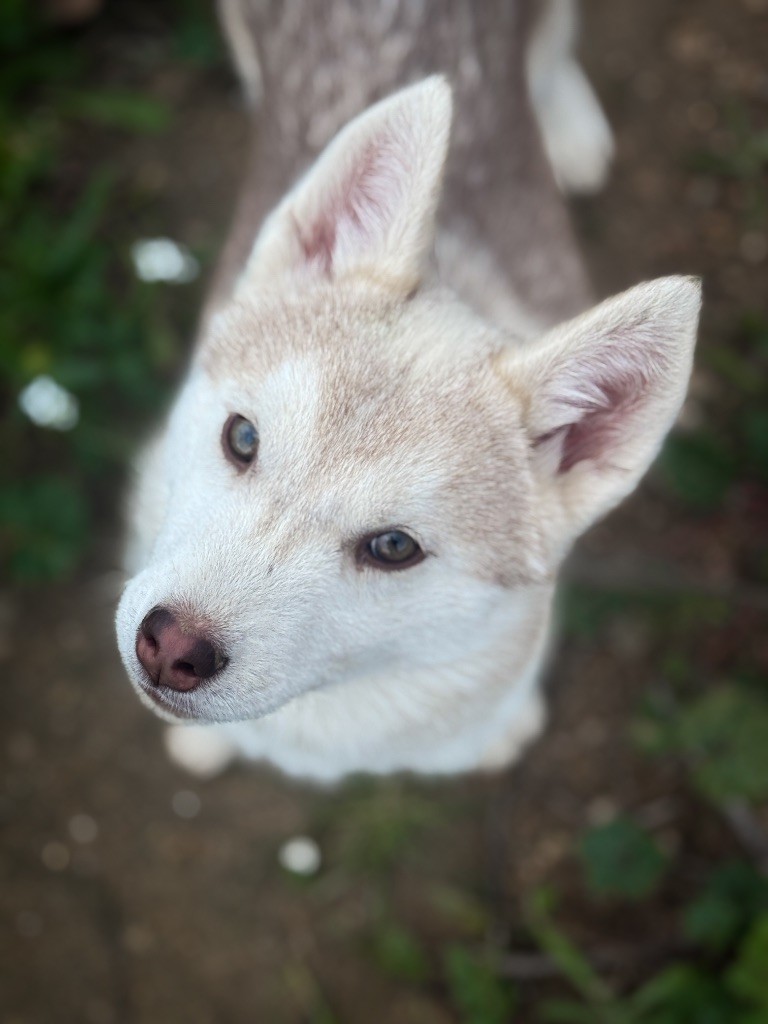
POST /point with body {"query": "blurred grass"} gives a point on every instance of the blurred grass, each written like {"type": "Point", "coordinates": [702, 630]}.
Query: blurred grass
{"type": "Point", "coordinates": [744, 157]}
{"type": "Point", "coordinates": [701, 467]}
{"type": "Point", "coordinates": [727, 988]}
{"type": "Point", "coordinates": [477, 992]}
{"type": "Point", "coordinates": [621, 859]}
{"type": "Point", "coordinates": [70, 305]}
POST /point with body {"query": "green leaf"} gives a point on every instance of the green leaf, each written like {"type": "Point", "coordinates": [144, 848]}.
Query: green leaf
{"type": "Point", "coordinates": [748, 977]}
{"type": "Point", "coordinates": [734, 895]}
{"type": "Point", "coordinates": [569, 959]}
{"type": "Point", "coordinates": [723, 735]}
{"type": "Point", "coordinates": [478, 994]}
{"type": "Point", "coordinates": [399, 954]}
{"type": "Point", "coordinates": [620, 859]}
{"type": "Point", "coordinates": [697, 468]}
{"type": "Point", "coordinates": [682, 994]}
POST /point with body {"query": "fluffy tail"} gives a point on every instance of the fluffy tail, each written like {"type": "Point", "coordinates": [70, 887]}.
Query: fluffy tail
{"type": "Point", "coordinates": [574, 129]}
{"type": "Point", "coordinates": [233, 15]}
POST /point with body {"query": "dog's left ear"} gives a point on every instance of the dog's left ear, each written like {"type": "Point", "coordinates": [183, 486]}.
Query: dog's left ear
{"type": "Point", "coordinates": [599, 394]}
{"type": "Point", "coordinates": [367, 206]}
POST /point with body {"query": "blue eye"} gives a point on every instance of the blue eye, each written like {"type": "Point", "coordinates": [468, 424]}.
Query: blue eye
{"type": "Point", "coordinates": [393, 549]}
{"type": "Point", "coordinates": [240, 440]}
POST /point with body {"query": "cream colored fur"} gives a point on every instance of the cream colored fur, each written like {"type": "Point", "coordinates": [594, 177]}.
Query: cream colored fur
{"type": "Point", "coordinates": [574, 129]}
{"type": "Point", "coordinates": [382, 401]}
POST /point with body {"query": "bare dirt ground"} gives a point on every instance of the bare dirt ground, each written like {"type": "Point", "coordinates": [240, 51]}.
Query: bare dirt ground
{"type": "Point", "coordinates": [132, 893]}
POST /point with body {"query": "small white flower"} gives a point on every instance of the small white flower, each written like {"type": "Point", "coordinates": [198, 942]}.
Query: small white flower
{"type": "Point", "coordinates": [300, 855]}
{"type": "Point", "coordinates": [48, 404]}
{"type": "Point", "coordinates": [162, 259]}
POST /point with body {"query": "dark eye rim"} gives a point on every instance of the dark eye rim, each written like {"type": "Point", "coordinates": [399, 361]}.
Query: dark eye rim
{"type": "Point", "coordinates": [240, 462]}
{"type": "Point", "coordinates": [365, 558]}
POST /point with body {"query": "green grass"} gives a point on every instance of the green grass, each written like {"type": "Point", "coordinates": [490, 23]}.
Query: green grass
{"type": "Point", "coordinates": [70, 306]}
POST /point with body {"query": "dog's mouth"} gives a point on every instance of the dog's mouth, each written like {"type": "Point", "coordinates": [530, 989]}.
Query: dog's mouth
{"type": "Point", "coordinates": [168, 703]}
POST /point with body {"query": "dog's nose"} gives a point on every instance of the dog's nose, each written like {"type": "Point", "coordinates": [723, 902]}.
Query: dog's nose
{"type": "Point", "coordinates": [172, 657]}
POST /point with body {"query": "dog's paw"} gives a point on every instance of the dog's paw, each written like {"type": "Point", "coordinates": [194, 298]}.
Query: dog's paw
{"type": "Point", "coordinates": [202, 750]}
{"type": "Point", "coordinates": [576, 134]}
{"type": "Point", "coordinates": [527, 725]}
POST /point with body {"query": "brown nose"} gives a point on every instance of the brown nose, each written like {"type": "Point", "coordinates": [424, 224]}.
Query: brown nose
{"type": "Point", "coordinates": [173, 658]}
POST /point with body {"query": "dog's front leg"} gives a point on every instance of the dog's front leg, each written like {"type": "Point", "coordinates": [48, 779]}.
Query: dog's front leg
{"type": "Point", "coordinates": [202, 750]}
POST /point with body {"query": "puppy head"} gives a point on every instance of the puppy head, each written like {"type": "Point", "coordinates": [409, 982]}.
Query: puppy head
{"type": "Point", "coordinates": [347, 490]}
{"type": "Point", "coordinates": [362, 477]}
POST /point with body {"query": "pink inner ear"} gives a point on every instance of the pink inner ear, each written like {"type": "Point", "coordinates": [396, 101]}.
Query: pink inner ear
{"type": "Point", "coordinates": [602, 405]}
{"type": "Point", "coordinates": [595, 434]}
{"type": "Point", "coordinates": [318, 242]}
{"type": "Point", "coordinates": [357, 208]}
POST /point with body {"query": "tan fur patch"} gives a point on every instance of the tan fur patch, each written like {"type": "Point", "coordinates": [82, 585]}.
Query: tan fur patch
{"type": "Point", "coordinates": [408, 387]}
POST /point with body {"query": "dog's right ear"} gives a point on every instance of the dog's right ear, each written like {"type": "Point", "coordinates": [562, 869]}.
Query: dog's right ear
{"type": "Point", "coordinates": [599, 393]}
{"type": "Point", "coordinates": [367, 206]}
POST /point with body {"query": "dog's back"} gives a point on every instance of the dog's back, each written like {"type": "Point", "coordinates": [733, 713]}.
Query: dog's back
{"type": "Point", "coordinates": [308, 68]}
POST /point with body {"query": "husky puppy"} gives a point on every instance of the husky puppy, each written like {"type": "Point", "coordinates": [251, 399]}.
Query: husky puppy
{"type": "Point", "coordinates": [401, 410]}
